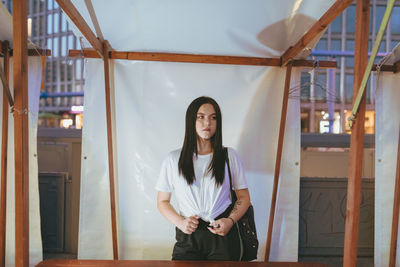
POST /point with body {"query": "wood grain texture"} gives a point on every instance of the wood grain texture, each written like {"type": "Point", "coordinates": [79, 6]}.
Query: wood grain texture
{"type": "Point", "coordinates": [21, 133]}
{"type": "Point", "coordinates": [155, 263]}
{"type": "Point", "coordinates": [110, 150]}
{"type": "Point", "coordinates": [4, 141]}
{"type": "Point", "coordinates": [278, 160]}
{"type": "Point", "coordinates": [357, 138]}
{"type": "Point", "coordinates": [206, 59]}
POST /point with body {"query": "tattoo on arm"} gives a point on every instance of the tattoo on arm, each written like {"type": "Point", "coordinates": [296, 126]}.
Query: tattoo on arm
{"type": "Point", "coordinates": [235, 207]}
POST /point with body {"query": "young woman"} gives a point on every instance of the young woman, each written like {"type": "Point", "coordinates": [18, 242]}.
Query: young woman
{"type": "Point", "coordinates": [199, 178]}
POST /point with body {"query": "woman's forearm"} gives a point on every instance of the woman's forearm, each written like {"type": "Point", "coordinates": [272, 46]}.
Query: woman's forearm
{"type": "Point", "coordinates": [187, 225]}
{"type": "Point", "coordinates": [169, 213]}
{"type": "Point", "coordinates": [241, 205]}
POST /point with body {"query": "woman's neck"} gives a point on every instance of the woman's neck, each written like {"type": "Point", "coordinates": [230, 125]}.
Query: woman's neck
{"type": "Point", "coordinates": [204, 147]}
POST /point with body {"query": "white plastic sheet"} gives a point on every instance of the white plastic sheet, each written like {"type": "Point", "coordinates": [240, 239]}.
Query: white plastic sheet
{"type": "Point", "coordinates": [386, 144]}
{"type": "Point", "coordinates": [150, 113]}
{"type": "Point", "coordinates": [34, 79]}
{"type": "Point", "coordinates": [35, 239]}
{"type": "Point", "coordinates": [6, 24]}
{"type": "Point", "coordinates": [150, 103]}
{"type": "Point", "coordinates": [225, 27]}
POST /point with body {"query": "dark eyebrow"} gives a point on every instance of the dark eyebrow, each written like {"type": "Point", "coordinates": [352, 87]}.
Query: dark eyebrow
{"type": "Point", "coordinates": [201, 113]}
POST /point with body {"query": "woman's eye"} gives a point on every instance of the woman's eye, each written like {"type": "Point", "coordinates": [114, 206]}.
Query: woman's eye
{"type": "Point", "coordinates": [200, 117]}
{"type": "Point", "coordinates": [214, 117]}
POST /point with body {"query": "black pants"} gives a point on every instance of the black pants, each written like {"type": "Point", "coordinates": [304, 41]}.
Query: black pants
{"type": "Point", "coordinates": [204, 245]}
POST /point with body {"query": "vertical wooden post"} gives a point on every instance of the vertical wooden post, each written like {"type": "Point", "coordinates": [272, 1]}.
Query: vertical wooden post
{"type": "Point", "coordinates": [110, 149]}
{"type": "Point", "coordinates": [357, 137]}
{"type": "Point", "coordinates": [21, 142]}
{"type": "Point", "coordinates": [278, 159]}
{"type": "Point", "coordinates": [395, 218]}
{"type": "Point", "coordinates": [4, 139]}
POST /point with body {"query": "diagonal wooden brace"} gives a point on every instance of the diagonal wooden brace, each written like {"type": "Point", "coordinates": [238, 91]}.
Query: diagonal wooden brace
{"type": "Point", "coordinates": [6, 87]}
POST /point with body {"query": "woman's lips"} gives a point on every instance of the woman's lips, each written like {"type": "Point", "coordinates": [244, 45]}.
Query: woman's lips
{"type": "Point", "coordinates": [206, 130]}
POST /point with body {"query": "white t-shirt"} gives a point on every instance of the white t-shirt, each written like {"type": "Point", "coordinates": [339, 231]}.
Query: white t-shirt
{"type": "Point", "coordinates": [203, 197]}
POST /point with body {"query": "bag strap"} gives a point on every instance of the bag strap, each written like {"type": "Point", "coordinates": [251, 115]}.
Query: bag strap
{"type": "Point", "coordinates": [233, 195]}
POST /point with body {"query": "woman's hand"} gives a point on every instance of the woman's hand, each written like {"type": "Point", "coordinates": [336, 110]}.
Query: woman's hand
{"type": "Point", "coordinates": [221, 226]}
{"type": "Point", "coordinates": [189, 224]}
{"type": "Point", "coordinates": [186, 225]}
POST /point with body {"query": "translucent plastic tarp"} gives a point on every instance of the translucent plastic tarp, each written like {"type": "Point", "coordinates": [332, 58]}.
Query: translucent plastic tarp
{"type": "Point", "coordinates": [35, 238]}
{"type": "Point", "coordinates": [225, 27]}
{"type": "Point", "coordinates": [5, 24]}
{"type": "Point", "coordinates": [151, 100]}
{"type": "Point", "coordinates": [386, 144]}
{"type": "Point", "coordinates": [150, 103]}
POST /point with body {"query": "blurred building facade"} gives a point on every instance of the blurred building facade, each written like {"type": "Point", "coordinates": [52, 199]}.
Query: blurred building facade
{"type": "Point", "coordinates": [326, 95]}
{"type": "Point", "coordinates": [61, 102]}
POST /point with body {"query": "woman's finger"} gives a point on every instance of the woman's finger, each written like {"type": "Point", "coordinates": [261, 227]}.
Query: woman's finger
{"type": "Point", "coordinates": [212, 230]}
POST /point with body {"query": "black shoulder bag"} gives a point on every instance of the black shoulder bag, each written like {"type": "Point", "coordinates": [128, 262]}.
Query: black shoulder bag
{"type": "Point", "coordinates": [245, 225]}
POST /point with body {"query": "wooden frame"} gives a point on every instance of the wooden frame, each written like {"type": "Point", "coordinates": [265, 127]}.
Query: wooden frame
{"type": "Point", "coordinates": [395, 216]}
{"type": "Point", "coordinates": [278, 159]}
{"type": "Point", "coordinates": [210, 59]}
{"type": "Point", "coordinates": [4, 149]}
{"type": "Point", "coordinates": [206, 59]}
{"type": "Point", "coordinates": [21, 138]}
{"type": "Point", "coordinates": [357, 138]}
{"type": "Point", "coordinates": [159, 263]}
{"type": "Point", "coordinates": [4, 76]}
{"type": "Point", "coordinates": [106, 47]}
{"type": "Point", "coordinates": [287, 57]}
{"type": "Point", "coordinates": [77, 19]}
{"type": "Point", "coordinates": [35, 52]}
{"type": "Point", "coordinates": [316, 29]}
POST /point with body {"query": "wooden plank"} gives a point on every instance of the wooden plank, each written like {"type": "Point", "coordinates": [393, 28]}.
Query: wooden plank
{"type": "Point", "coordinates": [395, 217]}
{"type": "Point", "coordinates": [158, 263]}
{"type": "Point", "coordinates": [396, 66]}
{"type": "Point", "coordinates": [79, 21]}
{"type": "Point", "coordinates": [357, 138]}
{"type": "Point", "coordinates": [4, 140]}
{"type": "Point", "coordinates": [207, 59]}
{"type": "Point", "coordinates": [94, 19]}
{"type": "Point", "coordinates": [110, 149]}
{"type": "Point", "coordinates": [388, 68]}
{"type": "Point", "coordinates": [21, 141]}
{"type": "Point", "coordinates": [36, 52]}
{"type": "Point", "coordinates": [6, 88]}
{"type": "Point", "coordinates": [278, 160]}
{"type": "Point", "coordinates": [316, 29]}
{"type": "Point", "coordinates": [174, 57]}
{"type": "Point", "coordinates": [330, 64]}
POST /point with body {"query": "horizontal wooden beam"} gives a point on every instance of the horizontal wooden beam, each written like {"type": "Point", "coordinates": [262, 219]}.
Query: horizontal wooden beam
{"type": "Point", "coordinates": [36, 52]}
{"type": "Point", "coordinates": [31, 52]}
{"type": "Point", "coordinates": [71, 11]}
{"type": "Point", "coordinates": [388, 68]}
{"type": "Point", "coordinates": [207, 59]}
{"type": "Point", "coordinates": [329, 64]}
{"type": "Point", "coordinates": [396, 66]}
{"type": "Point", "coordinates": [316, 29]}
{"type": "Point", "coordinates": [165, 263]}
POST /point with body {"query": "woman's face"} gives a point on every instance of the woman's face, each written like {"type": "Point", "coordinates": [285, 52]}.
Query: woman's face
{"type": "Point", "coordinates": [206, 122]}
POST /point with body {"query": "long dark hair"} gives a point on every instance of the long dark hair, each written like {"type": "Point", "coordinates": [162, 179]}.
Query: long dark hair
{"type": "Point", "coordinates": [217, 164]}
